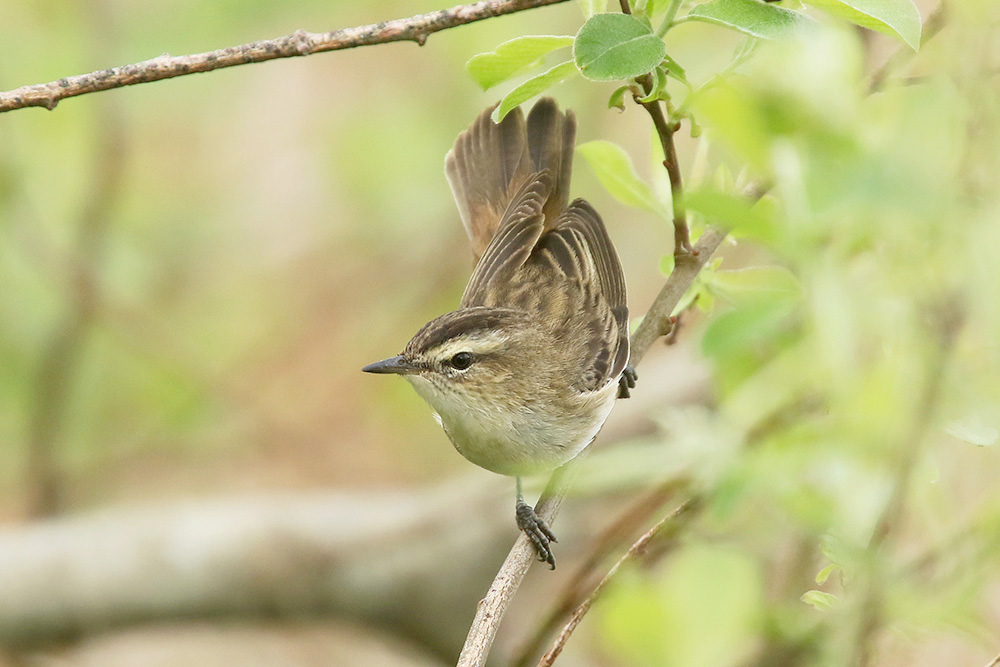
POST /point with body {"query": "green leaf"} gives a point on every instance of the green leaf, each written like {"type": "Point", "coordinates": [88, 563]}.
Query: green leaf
{"type": "Point", "coordinates": [511, 57]}
{"type": "Point", "coordinates": [825, 573]}
{"type": "Point", "coordinates": [659, 85]}
{"type": "Point", "coordinates": [614, 169]}
{"type": "Point", "coordinates": [675, 71]}
{"type": "Point", "coordinates": [532, 87]}
{"type": "Point", "coordinates": [591, 7]}
{"type": "Point", "coordinates": [756, 282]}
{"type": "Point", "coordinates": [848, 556]}
{"type": "Point", "coordinates": [653, 7]}
{"type": "Point", "coordinates": [740, 216]}
{"type": "Point", "coordinates": [897, 18]}
{"type": "Point", "coordinates": [820, 600]}
{"type": "Point", "coordinates": [616, 46]}
{"type": "Point", "coordinates": [757, 19]}
{"type": "Point", "coordinates": [617, 99]}
{"type": "Point", "coordinates": [742, 329]}
{"type": "Point", "coordinates": [973, 430]}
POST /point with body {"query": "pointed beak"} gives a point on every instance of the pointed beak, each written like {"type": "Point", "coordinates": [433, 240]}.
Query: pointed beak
{"type": "Point", "coordinates": [398, 365]}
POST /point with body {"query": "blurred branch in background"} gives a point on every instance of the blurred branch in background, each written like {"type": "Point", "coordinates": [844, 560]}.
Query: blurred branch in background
{"type": "Point", "coordinates": [366, 556]}
{"type": "Point", "coordinates": [945, 327]}
{"type": "Point", "coordinates": [664, 531]}
{"type": "Point", "coordinates": [62, 354]}
{"type": "Point", "coordinates": [299, 43]}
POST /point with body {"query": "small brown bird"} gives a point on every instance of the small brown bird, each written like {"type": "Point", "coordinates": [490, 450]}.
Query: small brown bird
{"type": "Point", "coordinates": [525, 372]}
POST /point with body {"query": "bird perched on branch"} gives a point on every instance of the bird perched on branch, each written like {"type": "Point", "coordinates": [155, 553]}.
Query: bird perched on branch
{"type": "Point", "coordinates": [525, 372]}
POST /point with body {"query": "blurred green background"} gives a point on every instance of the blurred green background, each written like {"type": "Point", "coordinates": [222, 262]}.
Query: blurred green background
{"type": "Point", "coordinates": [195, 270]}
{"type": "Point", "coordinates": [273, 229]}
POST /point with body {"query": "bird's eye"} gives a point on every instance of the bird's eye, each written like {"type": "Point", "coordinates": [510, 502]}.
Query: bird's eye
{"type": "Point", "coordinates": [461, 361]}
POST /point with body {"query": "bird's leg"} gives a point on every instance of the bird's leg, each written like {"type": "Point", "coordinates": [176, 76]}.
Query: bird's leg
{"type": "Point", "coordinates": [535, 529]}
{"type": "Point", "coordinates": [627, 382]}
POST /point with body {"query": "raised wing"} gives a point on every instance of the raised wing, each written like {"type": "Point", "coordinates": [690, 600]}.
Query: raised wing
{"type": "Point", "coordinates": [487, 166]}
{"type": "Point", "coordinates": [536, 254]}
{"type": "Point", "coordinates": [490, 163]}
{"type": "Point", "coordinates": [519, 231]}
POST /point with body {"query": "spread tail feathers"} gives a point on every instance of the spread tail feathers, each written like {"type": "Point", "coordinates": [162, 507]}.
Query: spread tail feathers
{"type": "Point", "coordinates": [491, 162]}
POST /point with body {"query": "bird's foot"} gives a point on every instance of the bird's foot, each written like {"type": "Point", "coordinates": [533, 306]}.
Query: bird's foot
{"type": "Point", "coordinates": [537, 532]}
{"type": "Point", "coordinates": [627, 382]}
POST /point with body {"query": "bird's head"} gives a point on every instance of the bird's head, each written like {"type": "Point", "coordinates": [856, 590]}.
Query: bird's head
{"type": "Point", "coordinates": [469, 359]}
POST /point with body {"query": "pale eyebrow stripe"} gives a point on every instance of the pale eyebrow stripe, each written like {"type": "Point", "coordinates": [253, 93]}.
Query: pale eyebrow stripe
{"type": "Point", "coordinates": [483, 343]}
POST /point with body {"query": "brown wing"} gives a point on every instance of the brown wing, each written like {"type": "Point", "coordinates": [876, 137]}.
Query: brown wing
{"type": "Point", "coordinates": [490, 163]}
{"type": "Point", "coordinates": [535, 254]}
{"type": "Point", "coordinates": [579, 251]}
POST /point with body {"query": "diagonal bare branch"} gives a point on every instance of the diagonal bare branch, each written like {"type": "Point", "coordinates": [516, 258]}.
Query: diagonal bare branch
{"type": "Point", "coordinates": [581, 584]}
{"type": "Point", "coordinates": [299, 43]}
{"type": "Point", "coordinates": [666, 529]}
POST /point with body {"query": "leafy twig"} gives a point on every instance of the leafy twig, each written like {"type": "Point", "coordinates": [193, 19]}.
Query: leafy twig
{"type": "Point", "coordinates": [299, 43]}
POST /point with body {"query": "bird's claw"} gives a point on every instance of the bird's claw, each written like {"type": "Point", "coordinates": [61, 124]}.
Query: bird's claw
{"type": "Point", "coordinates": [627, 382]}
{"type": "Point", "coordinates": [538, 532]}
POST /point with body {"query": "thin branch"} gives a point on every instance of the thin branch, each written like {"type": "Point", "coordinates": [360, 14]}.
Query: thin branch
{"type": "Point", "coordinates": [657, 320]}
{"type": "Point", "coordinates": [668, 527]}
{"type": "Point", "coordinates": [579, 585]}
{"type": "Point", "coordinates": [665, 131]}
{"type": "Point", "coordinates": [299, 43]}
{"type": "Point", "coordinates": [994, 662]}
{"type": "Point", "coordinates": [656, 323]}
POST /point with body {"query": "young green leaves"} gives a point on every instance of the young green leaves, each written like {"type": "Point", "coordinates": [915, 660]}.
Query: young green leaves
{"type": "Point", "coordinates": [513, 57]}
{"type": "Point", "coordinates": [532, 87]}
{"type": "Point", "coordinates": [615, 170]}
{"type": "Point", "coordinates": [621, 47]}
{"type": "Point", "coordinates": [610, 47]}
{"type": "Point", "coordinates": [753, 18]}
{"type": "Point", "coordinates": [896, 18]}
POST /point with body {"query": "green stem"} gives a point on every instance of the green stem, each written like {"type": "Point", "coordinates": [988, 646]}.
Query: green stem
{"type": "Point", "coordinates": [668, 20]}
